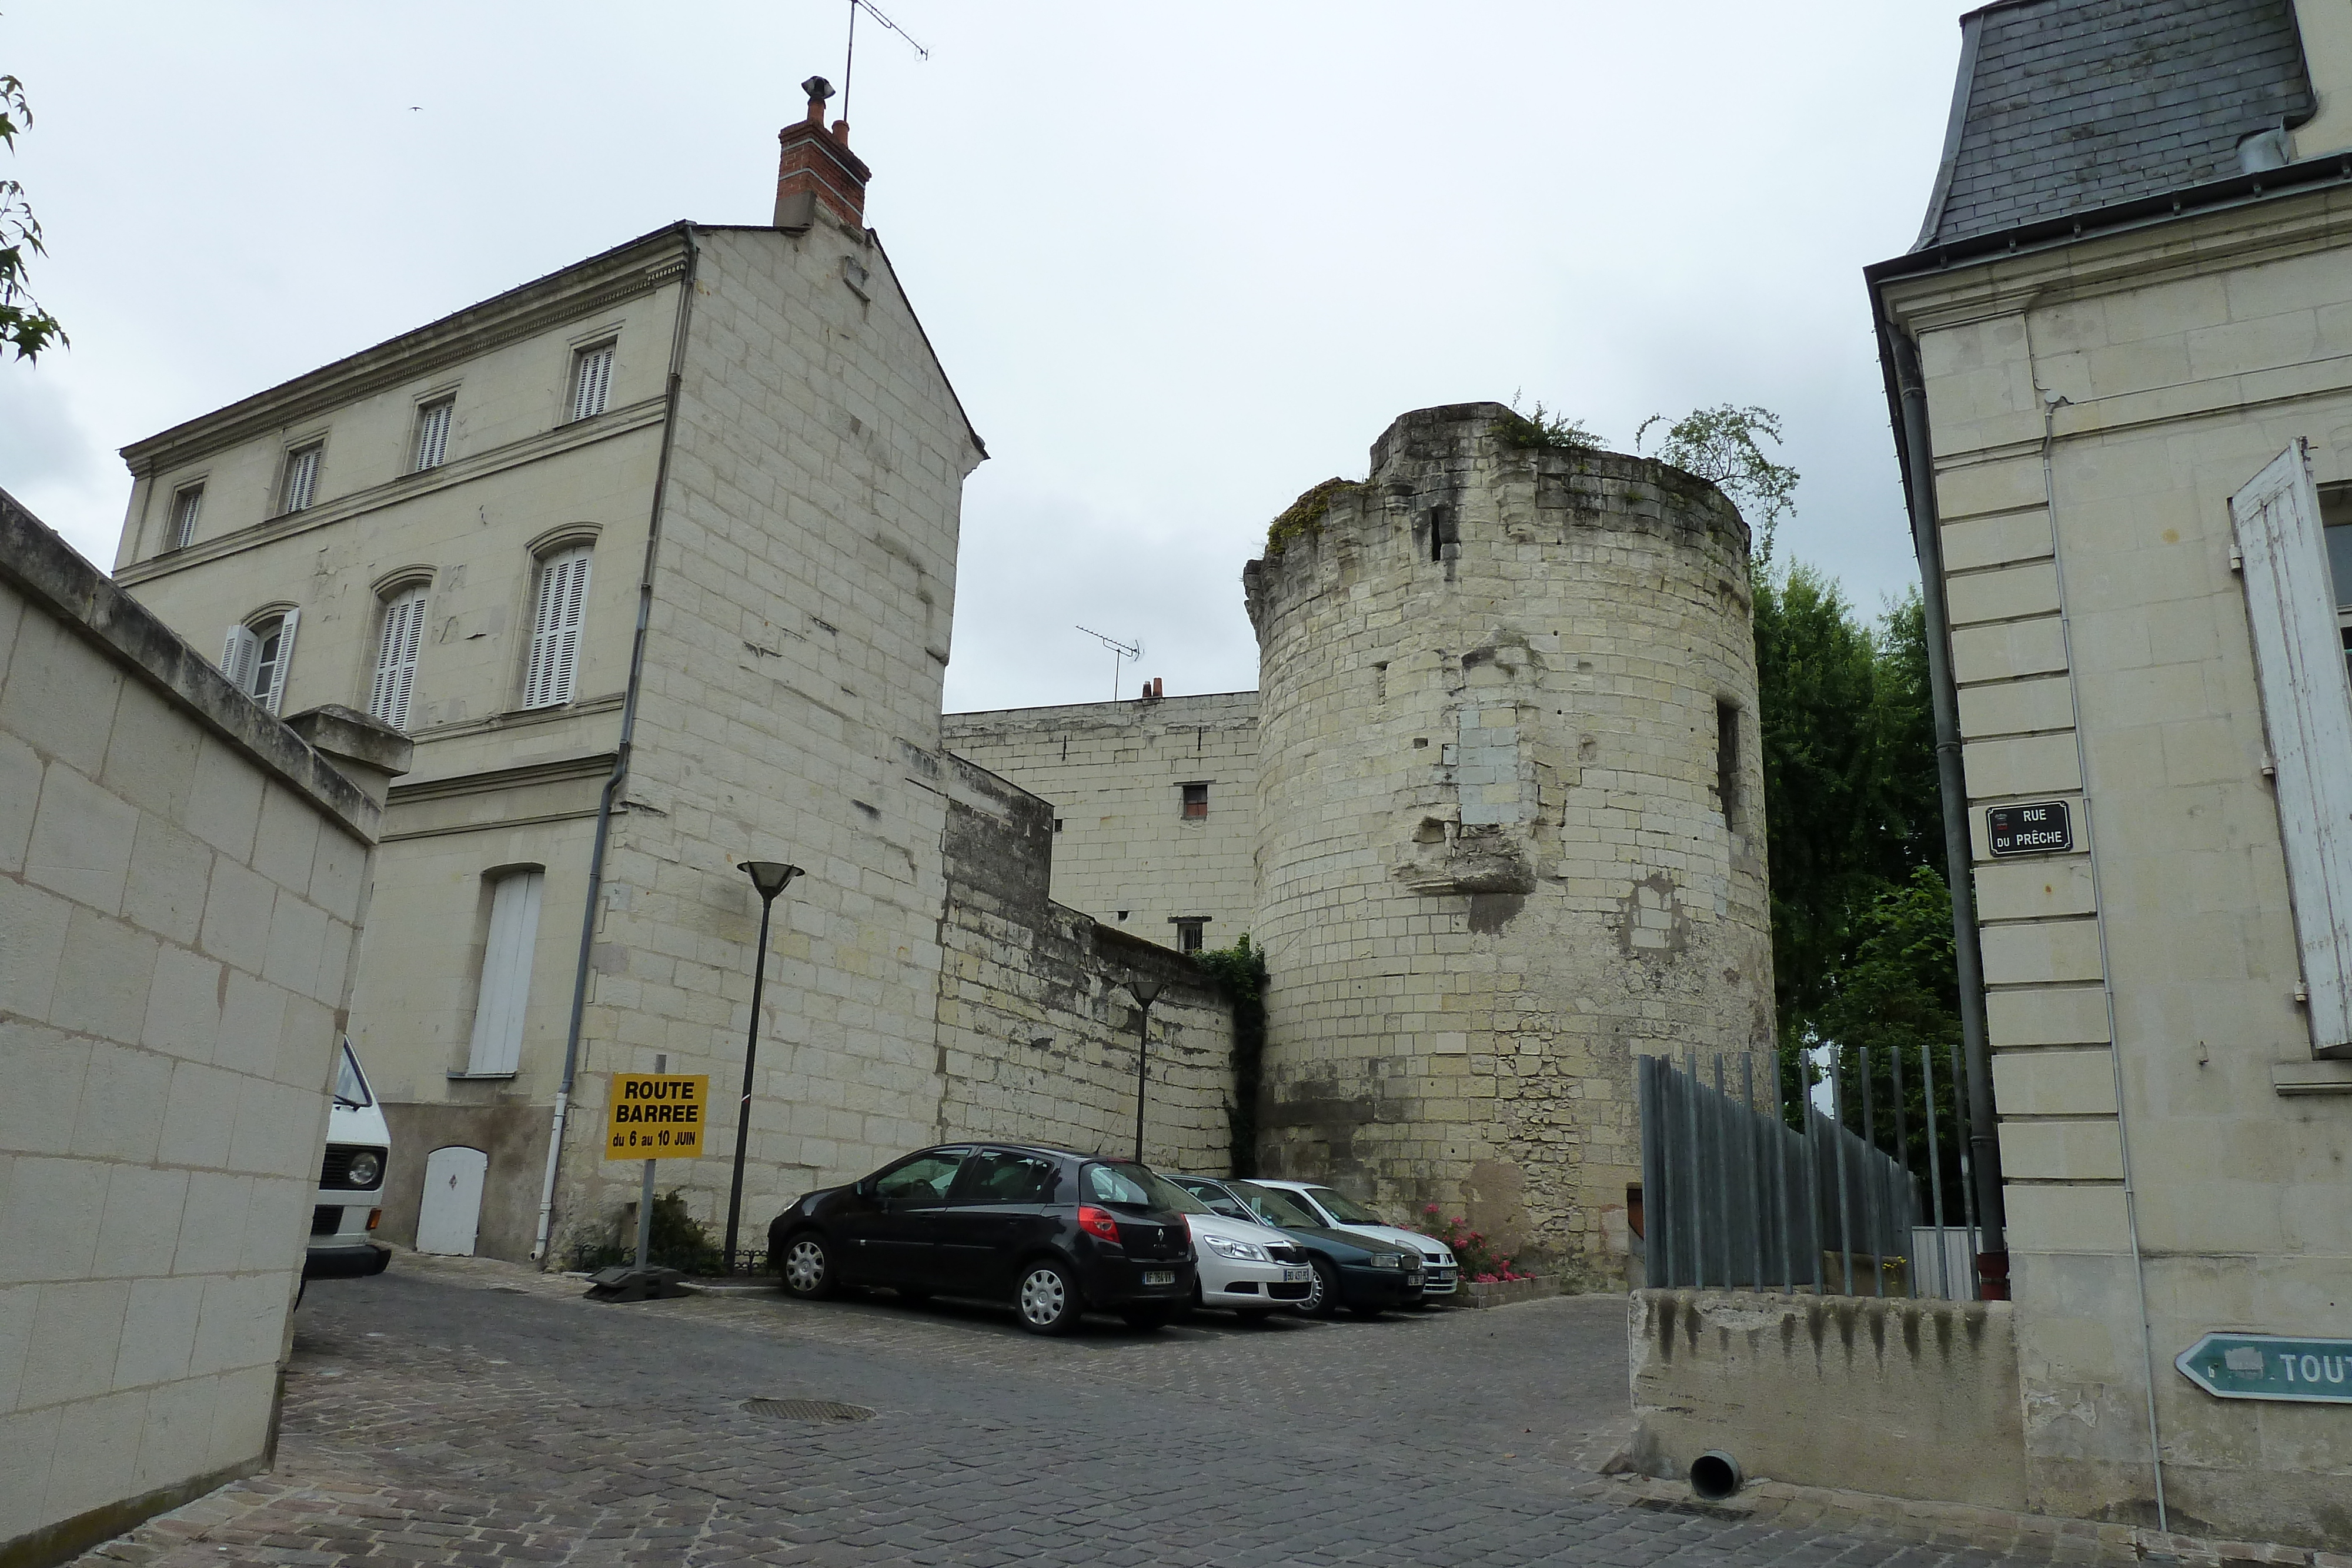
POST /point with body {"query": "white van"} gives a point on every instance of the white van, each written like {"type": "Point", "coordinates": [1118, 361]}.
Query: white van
{"type": "Point", "coordinates": [350, 1181]}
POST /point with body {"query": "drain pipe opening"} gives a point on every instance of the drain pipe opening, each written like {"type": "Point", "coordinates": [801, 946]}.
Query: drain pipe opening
{"type": "Point", "coordinates": [1716, 1475]}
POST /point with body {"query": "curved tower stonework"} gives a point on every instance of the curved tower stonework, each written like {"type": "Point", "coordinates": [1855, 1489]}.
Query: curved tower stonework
{"type": "Point", "coordinates": [1511, 829]}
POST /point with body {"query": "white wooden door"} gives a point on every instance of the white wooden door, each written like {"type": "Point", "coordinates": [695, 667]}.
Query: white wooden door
{"type": "Point", "coordinates": [452, 1211]}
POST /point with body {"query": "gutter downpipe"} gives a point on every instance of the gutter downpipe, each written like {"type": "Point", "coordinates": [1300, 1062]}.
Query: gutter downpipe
{"type": "Point", "coordinates": [2051, 402]}
{"type": "Point", "coordinates": [620, 754]}
{"type": "Point", "coordinates": [1984, 1139]}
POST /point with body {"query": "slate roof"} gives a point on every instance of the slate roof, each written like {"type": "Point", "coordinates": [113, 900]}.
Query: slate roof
{"type": "Point", "coordinates": [2067, 105]}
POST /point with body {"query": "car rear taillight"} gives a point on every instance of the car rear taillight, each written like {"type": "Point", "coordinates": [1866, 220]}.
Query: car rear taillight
{"type": "Point", "coordinates": [1097, 1222]}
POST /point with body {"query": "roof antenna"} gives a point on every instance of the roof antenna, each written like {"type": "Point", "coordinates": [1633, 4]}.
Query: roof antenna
{"type": "Point", "coordinates": [1118, 651]}
{"type": "Point", "coordinates": [850, 59]}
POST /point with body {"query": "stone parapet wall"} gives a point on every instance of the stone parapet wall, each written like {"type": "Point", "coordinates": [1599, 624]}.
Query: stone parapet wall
{"type": "Point", "coordinates": [1037, 1037]}
{"type": "Point", "coordinates": [1496, 859]}
{"type": "Point", "coordinates": [1908, 1399]}
{"type": "Point", "coordinates": [183, 881]}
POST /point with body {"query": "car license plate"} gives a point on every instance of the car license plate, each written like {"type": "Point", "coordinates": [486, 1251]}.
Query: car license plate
{"type": "Point", "coordinates": [1298, 1275]}
{"type": "Point", "coordinates": [1160, 1276]}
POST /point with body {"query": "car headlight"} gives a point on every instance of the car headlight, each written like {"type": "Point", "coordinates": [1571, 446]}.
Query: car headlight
{"type": "Point", "coordinates": [1241, 1251]}
{"type": "Point", "coordinates": [1388, 1260]}
{"type": "Point", "coordinates": [365, 1167]}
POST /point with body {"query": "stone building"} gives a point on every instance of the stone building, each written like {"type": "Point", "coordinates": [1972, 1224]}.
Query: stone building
{"type": "Point", "coordinates": [1508, 821]}
{"type": "Point", "coordinates": [2120, 360]}
{"type": "Point", "coordinates": [1155, 823]}
{"type": "Point", "coordinates": [654, 559]}
{"type": "Point", "coordinates": [183, 881]}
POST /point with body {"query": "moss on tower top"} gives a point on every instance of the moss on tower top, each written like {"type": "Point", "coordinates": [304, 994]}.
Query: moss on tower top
{"type": "Point", "coordinates": [1304, 519]}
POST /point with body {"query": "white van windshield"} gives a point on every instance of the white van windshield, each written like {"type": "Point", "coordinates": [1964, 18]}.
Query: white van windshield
{"type": "Point", "coordinates": [351, 1083]}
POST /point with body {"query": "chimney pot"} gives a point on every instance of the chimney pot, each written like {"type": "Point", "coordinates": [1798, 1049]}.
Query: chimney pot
{"type": "Point", "coordinates": [817, 168]}
{"type": "Point", "coordinates": [841, 131]}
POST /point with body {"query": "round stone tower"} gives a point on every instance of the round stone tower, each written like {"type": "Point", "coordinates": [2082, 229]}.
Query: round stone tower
{"type": "Point", "coordinates": [1511, 829]}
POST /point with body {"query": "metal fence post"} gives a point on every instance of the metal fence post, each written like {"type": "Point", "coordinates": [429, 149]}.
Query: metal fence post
{"type": "Point", "coordinates": [1698, 1175]}
{"type": "Point", "coordinates": [1837, 1153]}
{"type": "Point", "coordinates": [1967, 1181]}
{"type": "Point", "coordinates": [1936, 1169]}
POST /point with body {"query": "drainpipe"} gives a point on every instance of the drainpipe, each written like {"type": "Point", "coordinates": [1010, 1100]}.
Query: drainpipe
{"type": "Point", "coordinates": [620, 754]}
{"type": "Point", "coordinates": [1984, 1141]}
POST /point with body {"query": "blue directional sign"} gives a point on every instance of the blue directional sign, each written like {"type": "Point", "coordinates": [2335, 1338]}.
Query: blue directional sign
{"type": "Point", "coordinates": [2270, 1366]}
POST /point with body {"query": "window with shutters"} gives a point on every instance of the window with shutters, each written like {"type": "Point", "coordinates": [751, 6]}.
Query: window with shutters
{"type": "Point", "coordinates": [433, 433]}
{"type": "Point", "coordinates": [592, 381]}
{"type": "Point", "coordinates": [1196, 799]}
{"type": "Point", "coordinates": [300, 486]}
{"type": "Point", "coordinates": [1191, 933]}
{"type": "Point", "coordinates": [2294, 618]}
{"type": "Point", "coordinates": [187, 502]}
{"type": "Point", "coordinates": [504, 996]}
{"type": "Point", "coordinates": [562, 600]}
{"type": "Point", "coordinates": [257, 654]}
{"type": "Point", "coordinates": [395, 656]}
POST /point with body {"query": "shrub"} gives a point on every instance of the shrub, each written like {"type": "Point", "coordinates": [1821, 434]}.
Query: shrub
{"type": "Point", "coordinates": [678, 1241]}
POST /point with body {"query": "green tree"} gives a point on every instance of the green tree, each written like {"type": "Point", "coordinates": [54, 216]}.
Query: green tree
{"type": "Point", "coordinates": [1824, 795]}
{"type": "Point", "coordinates": [24, 325]}
{"type": "Point", "coordinates": [1721, 447]}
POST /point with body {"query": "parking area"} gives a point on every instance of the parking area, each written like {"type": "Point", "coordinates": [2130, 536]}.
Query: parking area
{"type": "Point", "coordinates": [474, 1413]}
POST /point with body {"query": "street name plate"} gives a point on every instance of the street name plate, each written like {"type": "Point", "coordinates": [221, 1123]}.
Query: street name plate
{"type": "Point", "coordinates": [655, 1115]}
{"type": "Point", "coordinates": [2041, 827]}
{"type": "Point", "coordinates": [2270, 1366]}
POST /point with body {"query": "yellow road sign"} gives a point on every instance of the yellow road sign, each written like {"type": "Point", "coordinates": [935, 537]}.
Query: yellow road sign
{"type": "Point", "coordinates": [656, 1116]}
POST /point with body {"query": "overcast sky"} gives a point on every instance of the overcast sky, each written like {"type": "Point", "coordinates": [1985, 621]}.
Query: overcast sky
{"type": "Point", "coordinates": [1182, 261]}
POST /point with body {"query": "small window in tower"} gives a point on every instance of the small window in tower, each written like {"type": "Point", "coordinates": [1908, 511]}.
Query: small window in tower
{"type": "Point", "coordinates": [1057, 824]}
{"type": "Point", "coordinates": [433, 433]}
{"type": "Point", "coordinates": [1196, 799]}
{"type": "Point", "coordinates": [1381, 683]}
{"type": "Point", "coordinates": [1727, 759]}
{"type": "Point", "coordinates": [1190, 933]}
{"type": "Point", "coordinates": [1441, 531]}
{"type": "Point", "coordinates": [592, 381]}
{"type": "Point", "coordinates": [187, 502]}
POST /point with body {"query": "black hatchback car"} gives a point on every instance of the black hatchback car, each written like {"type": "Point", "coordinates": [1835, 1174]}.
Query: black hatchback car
{"type": "Point", "coordinates": [1055, 1233]}
{"type": "Point", "coordinates": [1364, 1275]}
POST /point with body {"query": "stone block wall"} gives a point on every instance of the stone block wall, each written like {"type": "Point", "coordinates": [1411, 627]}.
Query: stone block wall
{"type": "Point", "coordinates": [1037, 1038]}
{"type": "Point", "coordinates": [1908, 1399]}
{"type": "Point", "coordinates": [1124, 852]}
{"type": "Point", "coordinates": [182, 884]}
{"type": "Point", "coordinates": [1502, 846]}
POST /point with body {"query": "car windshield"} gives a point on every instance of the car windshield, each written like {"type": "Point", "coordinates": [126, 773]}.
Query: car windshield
{"type": "Point", "coordinates": [351, 1084]}
{"type": "Point", "coordinates": [1276, 1206]}
{"type": "Point", "coordinates": [1343, 1209]}
{"type": "Point", "coordinates": [1134, 1186]}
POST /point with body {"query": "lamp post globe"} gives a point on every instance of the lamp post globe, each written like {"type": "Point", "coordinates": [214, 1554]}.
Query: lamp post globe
{"type": "Point", "coordinates": [1145, 993]}
{"type": "Point", "coordinates": [769, 878]}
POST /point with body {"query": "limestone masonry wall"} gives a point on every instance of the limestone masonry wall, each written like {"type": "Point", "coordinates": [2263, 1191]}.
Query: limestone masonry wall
{"type": "Point", "coordinates": [1510, 824]}
{"type": "Point", "coordinates": [1037, 1040]}
{"type": "Point", "coordinates": [1124, 850]}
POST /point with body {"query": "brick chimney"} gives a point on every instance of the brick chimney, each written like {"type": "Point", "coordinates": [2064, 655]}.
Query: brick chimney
{"type": "Point", "coordinates": [818, 168]}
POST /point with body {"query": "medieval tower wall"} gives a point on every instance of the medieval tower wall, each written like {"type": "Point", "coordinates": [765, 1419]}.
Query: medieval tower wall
{"type": "Point", "coordinates": [1511, 822]}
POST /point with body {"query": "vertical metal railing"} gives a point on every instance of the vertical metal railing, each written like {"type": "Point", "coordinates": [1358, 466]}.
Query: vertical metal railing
{"type": "Point", "coordinates": [1809, 1186]}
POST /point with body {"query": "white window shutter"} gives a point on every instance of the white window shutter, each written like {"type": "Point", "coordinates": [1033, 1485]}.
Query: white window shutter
{"type": "Point", "coordinates": [276, 695]}
{"type": "Point", "coordinates": [237, 655]}
{"type": "Point", "coordinates": [555, 629]}
{"type": "Point", "coordinates": [505, 994]}
{"type": "Point", "coordinates": [395, 660]}
{"type": "Point", "coordinates": [2307, 710]}
{"type": "Point", "coordinates": [592, 382]}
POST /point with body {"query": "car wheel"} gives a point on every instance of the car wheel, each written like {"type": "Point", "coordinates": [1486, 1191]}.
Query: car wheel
{"type": "Point", "coordinates": [1152, 1315]}
{"type": "Point", "coordinates": [807, 1270]}
{"type": "Point", "coordinates": [1048, 1299]}
{"type": "Point", "coordinates": [1322, 1291]}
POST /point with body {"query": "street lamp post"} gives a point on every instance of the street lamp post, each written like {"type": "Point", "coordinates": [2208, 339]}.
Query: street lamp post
{"type": "Point", "coordinates": [769, 878]}
{"type": "Point", "coordinates": [1145, 992]}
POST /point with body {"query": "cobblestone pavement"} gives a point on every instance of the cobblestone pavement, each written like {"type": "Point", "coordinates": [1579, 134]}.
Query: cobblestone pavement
{"type": "Point", "coordinates": [471, 1413]}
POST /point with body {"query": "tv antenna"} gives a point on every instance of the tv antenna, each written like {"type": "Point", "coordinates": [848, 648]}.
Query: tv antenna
{"type": "Point", "coordinates": [1118, 651]}
{"type": "Point", "coordinates": [850, 59]}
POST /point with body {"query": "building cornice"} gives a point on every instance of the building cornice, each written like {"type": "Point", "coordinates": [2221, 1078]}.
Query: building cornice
{"type": "Point", "coordinates": [531, 448]}
{"type": "Point", "coordinates": [595, 766]}
{"type": "Point", "coordinates": [638, 267]}
{"type": "Point", "coordinates": [2194, 244]}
